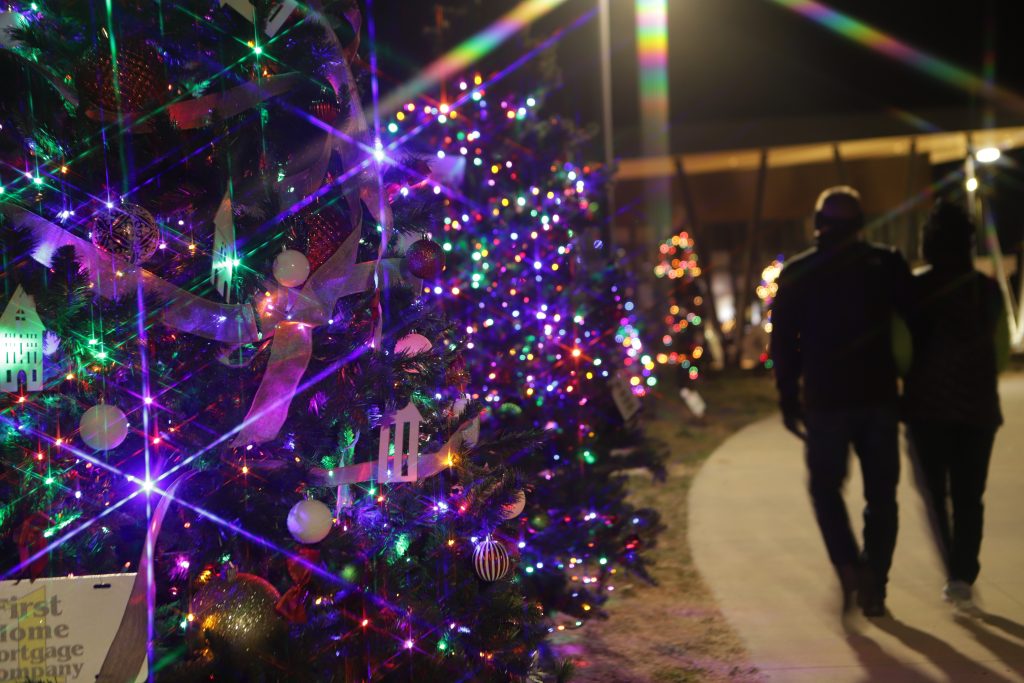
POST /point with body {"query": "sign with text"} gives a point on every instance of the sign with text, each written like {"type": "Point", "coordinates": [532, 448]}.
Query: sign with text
{"type": "Point", "coordinates": [59, 630]}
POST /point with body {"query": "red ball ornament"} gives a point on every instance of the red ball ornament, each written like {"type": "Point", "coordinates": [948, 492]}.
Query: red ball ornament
{"type": "Point", "coordinates": [325, 228]}
{"type": "Point", "coordinates": [425, 259]}
{"type": "Point", "coordinates": [325, 107]}
{"type": "Point", "coordinates": [141, 82]}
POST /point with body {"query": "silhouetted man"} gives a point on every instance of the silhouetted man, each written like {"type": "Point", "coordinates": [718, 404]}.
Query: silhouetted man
{"type": "Point", "coordinates": [832, 321]}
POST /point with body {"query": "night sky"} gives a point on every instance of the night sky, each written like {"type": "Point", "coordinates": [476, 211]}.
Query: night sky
{"type": "Point", "coordinates": [742, 62]}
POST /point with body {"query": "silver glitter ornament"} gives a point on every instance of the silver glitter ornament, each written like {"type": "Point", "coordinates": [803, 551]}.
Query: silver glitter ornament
{"type": "Point", "coordinates": [127, 231]}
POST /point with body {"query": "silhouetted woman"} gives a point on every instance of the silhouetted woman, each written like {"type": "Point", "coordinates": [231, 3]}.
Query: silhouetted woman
{"type": "Point", "coordinates": [961, 341]}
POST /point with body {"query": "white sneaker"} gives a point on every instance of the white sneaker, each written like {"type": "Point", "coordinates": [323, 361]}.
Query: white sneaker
{"type": "Point", "coordinates": [958, 593]}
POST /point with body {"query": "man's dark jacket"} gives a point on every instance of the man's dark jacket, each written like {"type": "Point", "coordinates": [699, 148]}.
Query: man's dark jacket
{"type": "Point", "coordinates": [832, 325]}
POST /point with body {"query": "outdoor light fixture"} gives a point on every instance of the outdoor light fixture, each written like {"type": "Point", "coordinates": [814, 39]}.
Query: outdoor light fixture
{"type": "Point", "coordinates": [986, 155]}
{"type": "Point", "coordinates": [972, 184]}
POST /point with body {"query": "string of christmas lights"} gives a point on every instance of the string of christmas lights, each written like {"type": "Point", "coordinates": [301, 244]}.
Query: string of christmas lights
{"type": "Point", "coordinates": [551, 327]}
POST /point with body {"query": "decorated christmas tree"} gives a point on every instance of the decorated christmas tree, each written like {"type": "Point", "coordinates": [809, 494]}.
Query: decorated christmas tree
{"type": "Point", "coordinates": [766, 291]}
{"type": "Point", "coordinates": [683, 341]}
{"type": "Point", "coordinates": [222, 379]}
{"type": "Point", "coordinates": [551, 330]}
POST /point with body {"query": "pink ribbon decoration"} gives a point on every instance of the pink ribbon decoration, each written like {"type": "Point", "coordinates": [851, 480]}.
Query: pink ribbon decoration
{"type": "Point", "coordinates": [340, 276]}
{"type": "Point", "coordinates": [113, 278]}
{"type": "Point", "coordinates": [291, 317]}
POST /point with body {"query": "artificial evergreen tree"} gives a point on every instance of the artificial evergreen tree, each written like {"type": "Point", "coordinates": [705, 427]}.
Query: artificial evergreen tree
{"type": "Point", "coordinates": [766, 291]}
{"type": "Point", "coordinates": [683, 342]}
{"type": "Point", "coordinates": [552, 334]}
{"type": "Point", "coordinates": [230, 319]}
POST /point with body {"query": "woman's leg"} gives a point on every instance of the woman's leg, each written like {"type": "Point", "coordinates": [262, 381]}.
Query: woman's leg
{"type": "Point", "coordinates": [968, 474]}
{"type": "Point", "coordinates": [929, 451]}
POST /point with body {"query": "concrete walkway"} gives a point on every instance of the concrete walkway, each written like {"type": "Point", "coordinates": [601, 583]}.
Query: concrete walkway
{"type": "Point", "coordinates": [755, 541]}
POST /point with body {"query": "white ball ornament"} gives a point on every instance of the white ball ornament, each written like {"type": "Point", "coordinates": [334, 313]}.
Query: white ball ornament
{"type": "Point", "coordinates": [309, 521]}
{"type": "Point", "coordinates": [491, 560]}
{"type": "Point", "coordinates": [103, 427]}
{"type": "Point", "coordinates": [516, 507]}
{"type": "Point", "coordinates": [291, 268]}
{"type": "Point", "coordinates": [10, 21]}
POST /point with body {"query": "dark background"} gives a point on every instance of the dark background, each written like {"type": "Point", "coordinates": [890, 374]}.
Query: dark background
{"type": "Point", "coordinates": [747, 64]}
{"type": "Point", "coordinates": [752, 73]}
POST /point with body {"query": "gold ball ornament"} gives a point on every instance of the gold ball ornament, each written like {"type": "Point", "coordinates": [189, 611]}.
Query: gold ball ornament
{"type": "Point", "coordinates": [238, 613]}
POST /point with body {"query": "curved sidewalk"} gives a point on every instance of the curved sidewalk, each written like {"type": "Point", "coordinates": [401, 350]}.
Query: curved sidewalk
{"type": "Point", "coordinates": [755, 542]}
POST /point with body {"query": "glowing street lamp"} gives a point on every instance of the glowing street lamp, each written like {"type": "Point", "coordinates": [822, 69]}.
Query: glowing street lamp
{"type": "Point", "coordinates": [986, 155]}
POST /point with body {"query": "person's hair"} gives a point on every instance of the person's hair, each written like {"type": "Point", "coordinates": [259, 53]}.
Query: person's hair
{"type": "Point", "coordinates": [948, 235]}
{"type": "Point", "coordinates": [836, 225]}
{"type": "Point", "coordinates": [835, 190]}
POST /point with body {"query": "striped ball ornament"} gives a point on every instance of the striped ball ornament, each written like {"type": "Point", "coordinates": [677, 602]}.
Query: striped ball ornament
{"type": "Point", "coordinates": [491, 561]}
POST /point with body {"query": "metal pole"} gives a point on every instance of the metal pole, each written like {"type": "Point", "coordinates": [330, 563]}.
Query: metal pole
{"type": "Point", "coordinates": [605, 48]}
{"type": "Point", "coordinates": [837, 156]}
{"type": "Point", "coordinates": [713, 328]}
{"type": "Point", "coordinates": [996, 251]}
{"type": "Point", "coordinates": [1017, 335]}
{"type": "Point", "coordinates": [986, 228]}
{"type": "Point", "coordinates": [747, 274]}
{"type": "Point", "coordinates": [913, 242]}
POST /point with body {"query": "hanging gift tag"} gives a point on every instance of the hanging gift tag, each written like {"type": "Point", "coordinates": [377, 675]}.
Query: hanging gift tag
{"type": "Point", "coordinates": [694, 401]}
{"type": "Point", "coordinates": [625, 400]}
{"type": "Point", "coordinates": [400, 446]}
{"type": "Point", "coordinates": [278, 15]}
{"type": "Point", "coordinates": [225, 256]}
{"type": "Point", "coordinates": [61, 629]}
{"type": "Point", "coordinates": [275, 19]}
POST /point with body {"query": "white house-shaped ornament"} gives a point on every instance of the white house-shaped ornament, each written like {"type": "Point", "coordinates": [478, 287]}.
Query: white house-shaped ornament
{"type": "Point", "coordinates": [21, 344]}
{"type": "Point", "coordinates": [399, 446]}
{"type": "Point", "coordinates": [225, 255]}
